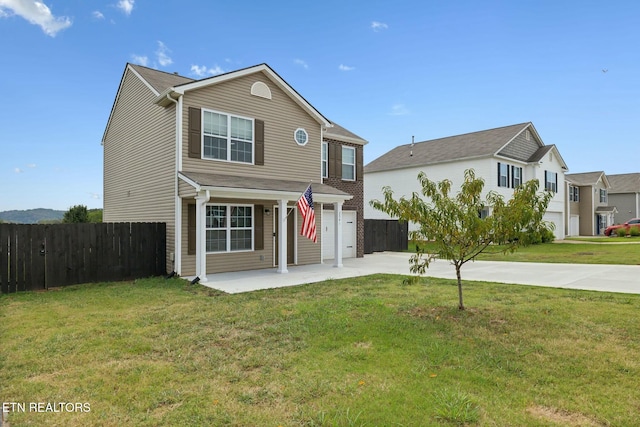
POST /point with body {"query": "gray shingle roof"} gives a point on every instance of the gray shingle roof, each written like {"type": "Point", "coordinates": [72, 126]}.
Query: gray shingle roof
{"type": "Point", "coordinates": [585, 178]}
{"type": "Point", "coordinates": [467, 146]}
{"type": "Point", "coordinates": [160, 80]}
{"type": "Point", "coordinates": [244, 182]}
{"type": "Point", "coordinates": [342, 134]}
{"type": "Point", "coordinates": [624, 183]}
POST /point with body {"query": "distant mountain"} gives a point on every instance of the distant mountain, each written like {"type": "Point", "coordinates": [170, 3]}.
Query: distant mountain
{"type": "Point", "coordinates": [31, 216]}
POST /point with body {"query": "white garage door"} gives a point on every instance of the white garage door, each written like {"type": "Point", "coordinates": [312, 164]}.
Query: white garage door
{"type": "Point", "coordinates": [556, 219]}
{"type": "Point", "coordinates": [574, 225]}
{"type": "Point", "coordinates": [348, 234]}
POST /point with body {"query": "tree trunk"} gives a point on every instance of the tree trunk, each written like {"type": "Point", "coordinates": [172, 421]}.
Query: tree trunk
{"type": "Point", "coordinates": [460, 303]}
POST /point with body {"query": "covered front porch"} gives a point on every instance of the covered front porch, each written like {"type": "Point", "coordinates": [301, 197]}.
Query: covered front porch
{"type": "Point", "coordinates": [270, 216]}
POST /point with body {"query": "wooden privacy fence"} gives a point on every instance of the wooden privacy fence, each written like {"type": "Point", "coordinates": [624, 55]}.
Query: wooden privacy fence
{"type": "Point", "coordinates": [385, 235]}
{"type": "Point", "coordinates": [36, 257]}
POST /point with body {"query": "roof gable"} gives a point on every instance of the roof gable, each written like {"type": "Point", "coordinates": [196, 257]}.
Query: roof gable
{"type": "Point", "coordinates": [339, 133]}
{"type": "Point", "coordinates": [587, 178]}
{"type": "Point", "coordinates": [484, 143]}
{"type": "Point", "coordinates": [176, 90]}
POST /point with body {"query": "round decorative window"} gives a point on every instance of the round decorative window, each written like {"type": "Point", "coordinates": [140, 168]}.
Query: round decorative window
{"type": "Point", "coordinates": [301, 136]}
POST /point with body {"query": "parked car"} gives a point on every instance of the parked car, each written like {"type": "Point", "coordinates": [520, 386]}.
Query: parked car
{"type": "Point", "coordinates": [611, 230]}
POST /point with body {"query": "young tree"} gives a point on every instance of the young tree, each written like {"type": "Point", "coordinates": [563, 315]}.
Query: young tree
{"type": "Point", "coordinates": [455, 225]}
{"type": "Point", "coordinates": [76, 214]}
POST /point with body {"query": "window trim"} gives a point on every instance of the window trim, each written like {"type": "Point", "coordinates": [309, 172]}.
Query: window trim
{"type": "Point", "coordinates": [502, 176]}
{"type": "Point", "coordinates": [228, 228]}
{"type": "Point", "coordinates": [349, 164]}
{"type": "Point", "coordinates": [306, 137]}
{"type": "Point", "coordinates": [228, 137]}
{"type": "Point", "coordinates": [324, 160]}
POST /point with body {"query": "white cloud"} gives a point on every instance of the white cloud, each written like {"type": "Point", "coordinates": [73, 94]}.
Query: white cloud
{"type": "Point", "coordinates": [378, 26]}
{"type": "Point", "coordinates": [302, 63]}
{"type": "Point", "coordinates": [18, 170]}
{"type": "Point", "coordinates": [140, 60]}
{"type": "Point", "coordinates": [399, 110]}
{"type": "Point", "coordinates": [36, 13]}
{"type": "Point", "coordinates": [126, 6]}
{"type": "Point", "coordinates": [203, 71]}
{"type": "Point", "coordinates": [343, 67]}
{"type": "Point", "coordinates": [97, 14]}
{"type": "Point", "coordinates": [95, 196]}
{"type": "Point", "coordinates": [162, 53]}
{"type": "Point", "coordinates": [31, 165]}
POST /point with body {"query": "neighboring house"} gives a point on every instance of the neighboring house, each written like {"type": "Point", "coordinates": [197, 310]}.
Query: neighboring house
{"type": "Point", "coordinates": [588, 208]}
{"type": "Point", "coordinates": [222, 161]}
{"type": "Point", "coordinates": [504, 157]}
{"type": "Point", "coordinates": [624, 194]}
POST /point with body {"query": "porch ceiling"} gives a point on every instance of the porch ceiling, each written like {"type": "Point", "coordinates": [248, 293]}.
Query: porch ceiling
{"type": "Point", "coordinates": [249, 187]}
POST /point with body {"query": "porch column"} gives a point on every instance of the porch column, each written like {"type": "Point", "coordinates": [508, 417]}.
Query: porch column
{"type": "Point", "coordinates": [201, 245]}
{"type": "Point", "coordinates": [282, 236]}
{"type": "Point", "coordinates": [337, 230]}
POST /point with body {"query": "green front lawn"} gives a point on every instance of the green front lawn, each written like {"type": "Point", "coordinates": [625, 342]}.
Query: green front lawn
{"type": "Point", "coordinates": [573, 253]}
{"type": "Point", "coordinates": [367, 351]}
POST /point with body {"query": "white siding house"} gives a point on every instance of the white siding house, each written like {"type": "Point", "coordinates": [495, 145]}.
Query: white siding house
{"type": "Point", "coordinates": [503, 157]}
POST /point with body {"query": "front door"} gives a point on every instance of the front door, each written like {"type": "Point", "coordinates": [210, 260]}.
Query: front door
{"type": "Point", "coordinates": [291, 236]}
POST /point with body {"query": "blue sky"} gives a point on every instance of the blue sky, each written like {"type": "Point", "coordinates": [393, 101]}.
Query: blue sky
{"type": "Point", "coordinates": [385, 70]}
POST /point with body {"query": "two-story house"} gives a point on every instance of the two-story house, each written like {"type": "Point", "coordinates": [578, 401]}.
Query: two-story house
{"type": "Point", "coordinates": [222, 161]}
{"type": "Point", "coordinates": [504, 157]}
{"type": "Point", "coordinates": [624, 194]}
{"type": "Point", "coordinates": [588, 205]}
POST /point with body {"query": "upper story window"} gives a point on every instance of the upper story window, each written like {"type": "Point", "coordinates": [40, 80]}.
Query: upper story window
{"type": "Point", "coordinates": [603, 195]}
{"type": "Point", "coordinates": [574, 193]}
{"type": "Point", "coordinates": [516, 176]}
{"type": "Point", "coordinates": [301, 136]}
{"type": "Point", "coordinates": [227, 137]}
{"type": "Point", "coordinates": [229, 228]}
{"type": "Point", "coordinates": [348, 163]}
{"type": "Point", "coordinates": [503, 175]}
{"type": "Point", "coordinates": [509, 176]}
{"type": "Point", "coordinates": [325, 160]}
{"type": "Point", "coordinates": [551, 181]}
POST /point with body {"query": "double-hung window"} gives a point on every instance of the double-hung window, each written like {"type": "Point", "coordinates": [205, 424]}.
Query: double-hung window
{"type": "Point", "coordinates": [229, 228]}
{"type": "Point", "coordinates": [227, 137]}
{"type": "Point", "coordinates": [503, 175]}
{"type": "Point", "coordinates": [325, 160]}
{"type": "Point", "coordinates": [574, 193]}
{"type": "Point", "coordinates": [348, 163]}
{"type": "Point", "coordinates": [551, 181]}
{"type": "Point", "coordinates": [516, 176]}
{"type": "Point", "coordinates": [603, 195]}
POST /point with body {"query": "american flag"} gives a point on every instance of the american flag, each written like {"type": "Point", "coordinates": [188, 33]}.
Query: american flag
{"type": "Point", "coordinates": [305, 205]}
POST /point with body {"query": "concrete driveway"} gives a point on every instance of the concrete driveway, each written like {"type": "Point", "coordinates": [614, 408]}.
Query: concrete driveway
{"type": "Point", "coordinates": [610, 278]}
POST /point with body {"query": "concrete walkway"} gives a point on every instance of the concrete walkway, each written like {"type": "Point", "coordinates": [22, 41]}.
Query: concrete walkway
{"type": "Point", "coordinates": [610, 278]}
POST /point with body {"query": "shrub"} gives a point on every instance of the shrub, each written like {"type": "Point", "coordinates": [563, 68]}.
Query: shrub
{"type": "Point", "coordinates": [621, 232]}
{"type": "Point", "coordinates": [634, 231]}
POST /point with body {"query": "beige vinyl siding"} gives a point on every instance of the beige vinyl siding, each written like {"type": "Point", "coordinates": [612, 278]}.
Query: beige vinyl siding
{"type": "Point", "coordinates": [284, 159]}
{"type": "Point", "coordinates": [587, 226]}
{"type": "Point", "coordinates": [308, 252]}
{"type": "Point", "coordinates": [186, 190]}
{"type": "Point", "coordinates": [139, 160]}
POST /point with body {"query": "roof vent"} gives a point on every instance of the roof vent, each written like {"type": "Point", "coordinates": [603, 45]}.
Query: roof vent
{"type": "Point", "coordinates": [261, 89]}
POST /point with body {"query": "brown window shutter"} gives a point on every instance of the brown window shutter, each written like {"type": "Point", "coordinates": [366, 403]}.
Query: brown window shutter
{"type": "Point", "coordinates": [331, 160]}
{"type": "Point", "coordinates": [259, 148]}
{"type": "Point", "coordinates": [258, 228]}
{"type": "Point", "coordinates": [195, 132]}
{"type": "Point", "coordinates": [335, 160]}
{"type": "Point", "coordinates": [191, 229]}
{"type": "Point", "coordinates": [359, 166]}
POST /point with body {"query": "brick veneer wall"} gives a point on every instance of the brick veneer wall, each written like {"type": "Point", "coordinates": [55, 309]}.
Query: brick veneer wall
{"type": "Point", "coordinates": [356, 188]}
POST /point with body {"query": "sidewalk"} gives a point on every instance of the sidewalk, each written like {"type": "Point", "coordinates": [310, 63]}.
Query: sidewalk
{"type": "Point", "coordinates": [609, 278]}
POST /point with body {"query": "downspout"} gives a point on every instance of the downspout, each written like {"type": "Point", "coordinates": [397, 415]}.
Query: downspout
{"type": "Point", "coordinates": [177, 228]}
